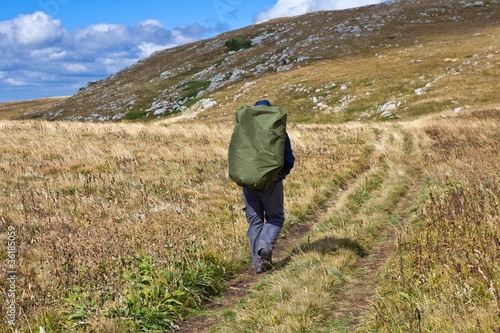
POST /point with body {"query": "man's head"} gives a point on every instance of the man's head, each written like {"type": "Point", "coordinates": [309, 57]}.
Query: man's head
{"type": "Point", "coordinates": [263, 102]}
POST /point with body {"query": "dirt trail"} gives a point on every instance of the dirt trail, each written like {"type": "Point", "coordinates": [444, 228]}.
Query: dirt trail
{"type": "Point", "coordinates": [240, 286]}
{"type": "Point", "coordinates": [354, 298]}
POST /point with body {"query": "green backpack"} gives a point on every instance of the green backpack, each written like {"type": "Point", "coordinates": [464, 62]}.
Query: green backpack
{"type": "Point", "coordinates": [257, 147]}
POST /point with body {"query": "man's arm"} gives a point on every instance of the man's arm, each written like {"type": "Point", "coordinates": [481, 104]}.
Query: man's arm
{"type": "Point", "coordinates": [289, 158]}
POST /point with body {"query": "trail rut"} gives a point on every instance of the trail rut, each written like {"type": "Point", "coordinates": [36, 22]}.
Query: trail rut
{"type": "Point", "coordinates": [353, 298]}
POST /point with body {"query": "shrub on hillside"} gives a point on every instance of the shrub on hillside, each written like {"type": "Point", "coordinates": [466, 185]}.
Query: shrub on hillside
{"type": "Point", "coordinates": [235, 44]}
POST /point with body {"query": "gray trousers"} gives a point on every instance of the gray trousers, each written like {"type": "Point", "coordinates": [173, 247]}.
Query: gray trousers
{"type": "Point", "coordinates": [265, 214]}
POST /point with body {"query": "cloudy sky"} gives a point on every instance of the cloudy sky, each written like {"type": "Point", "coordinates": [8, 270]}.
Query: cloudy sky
{"type": "Point", "coordinates": [54, 47]}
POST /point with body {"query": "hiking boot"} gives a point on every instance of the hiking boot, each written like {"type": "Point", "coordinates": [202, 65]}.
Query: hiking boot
{"type": "Point", "coordinates": [266, 255]}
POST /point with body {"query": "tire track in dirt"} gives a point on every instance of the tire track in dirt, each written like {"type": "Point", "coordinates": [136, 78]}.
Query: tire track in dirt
{"type": "Point", "coordinates": [241, 285]}
{"type": "Point", "coordinates": [354, 298]}
{"type": "Point", "coordinates": [354, 301]}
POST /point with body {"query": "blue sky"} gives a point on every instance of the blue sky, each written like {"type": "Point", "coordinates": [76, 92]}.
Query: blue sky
{"type": "Point", "coordinates": [54, 47]}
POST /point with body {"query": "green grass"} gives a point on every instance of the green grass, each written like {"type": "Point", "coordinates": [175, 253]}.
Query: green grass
{"type": "Point", "coordinates": [192, 88]}
{"type": "Point", "coordinates": [237, 43]}
{"type": "Point", "coordinates": [135, 115]}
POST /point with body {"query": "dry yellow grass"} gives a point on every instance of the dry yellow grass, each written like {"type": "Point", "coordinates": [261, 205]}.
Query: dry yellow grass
{"type": "Point", "coordinates": [445, 275]}
{"type": "Point", "coordinates": [125, 226]}
{"type": "Point", "coordinates": [90, 200]}
{"type": "Point", "coordinates": [97, 208]}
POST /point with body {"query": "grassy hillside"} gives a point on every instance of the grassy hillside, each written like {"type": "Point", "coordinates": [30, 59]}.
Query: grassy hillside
{"type": "Point", "coordinates": [392, 211]}
{"type": "Point", "coordinates": [11, 110]}
{"type": "Point", "coordinates": [397, 59]}
{"type": "Point", "coordinates": [122, 227]}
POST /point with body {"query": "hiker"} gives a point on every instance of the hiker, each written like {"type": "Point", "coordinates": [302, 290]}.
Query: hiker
{"type": "Point", "coordinates": [265, 212]}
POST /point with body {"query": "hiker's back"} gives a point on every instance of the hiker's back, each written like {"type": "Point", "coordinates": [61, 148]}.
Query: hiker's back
{"type": "Point", "coordinates": [257, 146]}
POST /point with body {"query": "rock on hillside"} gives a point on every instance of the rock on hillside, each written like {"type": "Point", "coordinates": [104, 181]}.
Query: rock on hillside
{"type": "Point", "coordinates": [174, 80]}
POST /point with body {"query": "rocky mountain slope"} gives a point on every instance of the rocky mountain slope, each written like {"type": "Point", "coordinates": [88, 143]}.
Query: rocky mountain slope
{"type": "Point", "coordinates": [377, 62]}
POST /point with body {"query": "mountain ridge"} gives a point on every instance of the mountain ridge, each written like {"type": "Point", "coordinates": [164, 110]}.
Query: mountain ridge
{"type": "Point", "coordinates": [202, 75]}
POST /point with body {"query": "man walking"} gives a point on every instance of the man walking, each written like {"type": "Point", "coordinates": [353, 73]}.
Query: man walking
{"type": "Point", "coordinates": [265, 212]}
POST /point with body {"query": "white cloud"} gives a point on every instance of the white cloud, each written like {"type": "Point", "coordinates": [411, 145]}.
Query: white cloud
{"type": "Point", "coordinates": [36, 51]}
{"type": "Point", "coordinates": [151, 23]}
{"type": "Point", "coordinates": [31, 30]}
{"type": "Point", "coordinates": [148, 48]}
{"type": "Point", "coordinates": [112, 63]}
{"type": "Point", "coordinates": [49, 53]}
{"type": "Point", "coordinates": [58, 55]}
{"type": "Point", "coordinates": [14, 82]}
{"type": "Point", "coordinates": [298, 7]}
{"type": "Point", "coordinates": [179, 37]}
{"type": "Point", "coordinates": [102, 36]}
{"type": "Point", "coordinates": [76, 68]}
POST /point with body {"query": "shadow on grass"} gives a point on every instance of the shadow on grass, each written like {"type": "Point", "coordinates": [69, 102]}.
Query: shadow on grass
{"type": "Point", "coordinates": [323, 246]}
